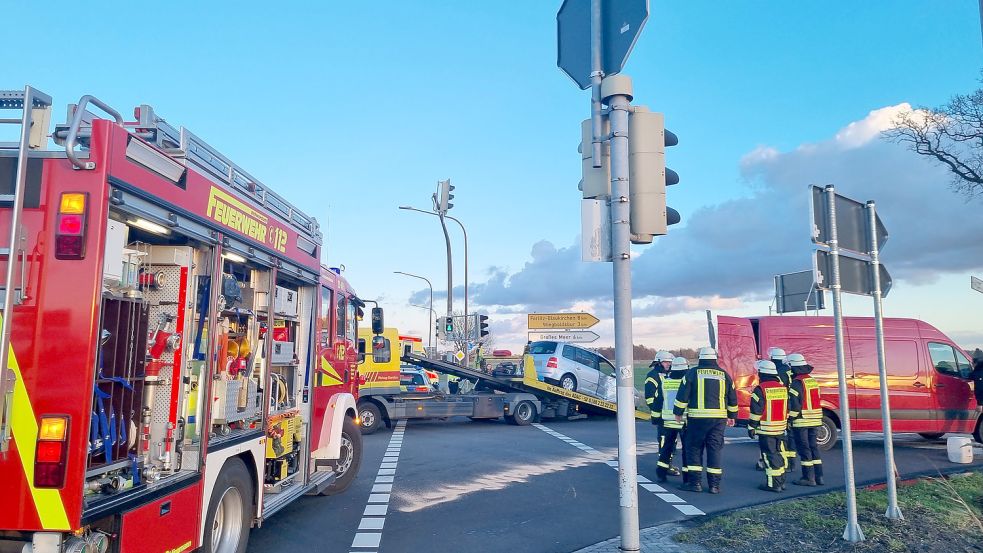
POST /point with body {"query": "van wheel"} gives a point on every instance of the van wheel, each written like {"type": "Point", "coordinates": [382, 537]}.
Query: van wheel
{"type": "Point", "coordinates": [349, 460]}
{"type": "Point", "coordinates": [931, 435]}
{"type": "Point", "coordinates": [827, 434]}
{"type": "Point", "coordinates": [229, 510]}
{"type": "Point", "coordinates": [523, 414]}
{"type": "Point", "coordinates": [370, 416]}
{"type": "Point", "coordinates": [978, 433]}
{"type": "Point", "coordinates": [568, 382]}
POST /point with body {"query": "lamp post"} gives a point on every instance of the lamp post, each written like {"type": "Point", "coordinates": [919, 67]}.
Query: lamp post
{"type": "Point", "coordinates": [430, 333]}
{"type": "Point", "coordinates": [465, 233]}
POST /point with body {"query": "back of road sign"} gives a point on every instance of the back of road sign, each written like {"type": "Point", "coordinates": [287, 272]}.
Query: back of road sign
{"type": "Point", "coordinates": [621, 23]}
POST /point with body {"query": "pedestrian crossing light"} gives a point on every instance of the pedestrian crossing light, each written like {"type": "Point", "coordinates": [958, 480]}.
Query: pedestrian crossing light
{"type": "Point", "coordinates": [446, 189]}
{"type": "Point", "coordinates": [445, 327]}
{"type": "Point", "coordinates": [482, 326]}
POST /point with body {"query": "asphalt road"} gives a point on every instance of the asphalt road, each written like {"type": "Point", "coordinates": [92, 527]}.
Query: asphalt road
{"type": "Point", "coordinates": [459, 485]}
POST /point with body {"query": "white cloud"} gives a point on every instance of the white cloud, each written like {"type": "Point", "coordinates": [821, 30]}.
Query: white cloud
{"type": "Point", "coordinates": [727, 254]}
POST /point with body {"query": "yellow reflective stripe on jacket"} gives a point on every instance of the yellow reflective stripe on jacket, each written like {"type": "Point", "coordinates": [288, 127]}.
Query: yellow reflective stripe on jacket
{"type": "Point", "coordinates": [707, 413]}
{"type": "Point", "coordinates": [24, 426]}
{"type": "Point", "coordinates": [774, 423]}
{"type": "Point", "coordinates": [811, 415]}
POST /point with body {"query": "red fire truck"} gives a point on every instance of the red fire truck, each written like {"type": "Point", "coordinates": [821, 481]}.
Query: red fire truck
{"type": "Point", "coordinates": [179, 365]}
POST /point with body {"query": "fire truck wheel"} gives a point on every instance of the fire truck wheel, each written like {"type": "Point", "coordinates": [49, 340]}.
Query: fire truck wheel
{"type": "Point", "coordinates": [524, 413]}
{"type": "Point", "coordinates": [978, 433]}
{"type": "Point", "coordinates": [827, 434]}
{"type": "Point", "coordinates": [350, 459]}
{"type": "Point", "coordinates": [371, 418]}
{"type": "Point", "coordinates": [229, 510]}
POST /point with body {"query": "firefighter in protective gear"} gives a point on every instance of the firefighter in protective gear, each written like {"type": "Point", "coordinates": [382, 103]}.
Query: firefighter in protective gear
{"type": "Point", "coordinates": [806, 415]}
{"type": "Point", "coordinates": [778, 356]}
{"type": "Point", "coordinates": [708, 399]}
{"type": "Point", "coordinates": [664, 403]}
{"type": "Point", "coordinates": [660, 367]}
{"type": "Point", "coordinates": [769, 421]}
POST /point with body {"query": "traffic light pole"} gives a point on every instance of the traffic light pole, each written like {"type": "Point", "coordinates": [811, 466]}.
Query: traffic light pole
{"type": "Point", "coordinates": [616, 90]}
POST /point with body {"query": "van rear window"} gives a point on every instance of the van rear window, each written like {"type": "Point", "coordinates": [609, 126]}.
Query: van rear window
{"type": "Point", "coordinates": [539, 348]}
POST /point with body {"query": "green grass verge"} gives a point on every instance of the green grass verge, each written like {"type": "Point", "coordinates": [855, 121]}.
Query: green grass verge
{"type": "Point", "coordinates": [941, 514]}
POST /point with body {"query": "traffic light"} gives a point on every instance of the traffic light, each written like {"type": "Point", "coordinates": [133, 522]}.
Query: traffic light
{"type": "Point", "coordinates": [445, 195]}
{"type": "Point", "coordinates": [649, 176]}
{"type": "Point", "coordinates": [482, 326]}
{"type": "Point", "coordinates": [596, 181]}
{"type": "Point", "coordinates": [445, 328]}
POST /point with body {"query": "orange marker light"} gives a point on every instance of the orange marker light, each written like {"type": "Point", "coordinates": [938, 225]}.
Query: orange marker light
{"type": "Point", "coordinates": [53, 428]}
{"type": "Point", "coordinates": [72, 203]}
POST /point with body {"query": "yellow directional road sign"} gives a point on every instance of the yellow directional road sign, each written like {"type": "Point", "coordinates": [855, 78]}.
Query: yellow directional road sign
{"type": "Point", "coordinates": [564, 321]}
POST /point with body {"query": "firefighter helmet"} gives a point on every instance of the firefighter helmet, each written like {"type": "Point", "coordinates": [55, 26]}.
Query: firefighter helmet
{"type": "Point", "coordinates": [708, 353]}
{"type": "Point", "coordinates": [776, 353]}
{"type": "Point", "coordinates": [796, 360]}
{"type": "Point", "coordinates": [765, 366]}
{"type": "Point", "coordinates": [679, 364]}
{"type": "Point", "coordinates": [663, 355]}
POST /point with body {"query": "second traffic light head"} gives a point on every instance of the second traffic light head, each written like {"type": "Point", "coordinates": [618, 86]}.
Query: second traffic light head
{"type": "Point", "coordinates": [446, 196]}
{"type": "Point", "coordinates": [649, 176]}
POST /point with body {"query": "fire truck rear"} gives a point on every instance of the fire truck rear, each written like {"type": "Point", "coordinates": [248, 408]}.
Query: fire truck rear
{"type": "Point", "coordinates": [177, 366]}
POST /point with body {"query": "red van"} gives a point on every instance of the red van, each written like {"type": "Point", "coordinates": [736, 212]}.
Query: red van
{"type": "Point", "coordinates": [928, 374]}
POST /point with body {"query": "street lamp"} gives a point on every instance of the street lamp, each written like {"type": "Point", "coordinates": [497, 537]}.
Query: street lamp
{"type": "Point", "coordinates": [465, 233]}
{"type": "Point", "coordinates": [430, 334]}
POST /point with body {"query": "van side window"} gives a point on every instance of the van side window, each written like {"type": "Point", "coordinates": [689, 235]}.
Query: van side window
{"type": "Point", "coordinates": [587, 358]}
{"type": "Point", "coordinates": [571, 354]}
{"type": "Point", "coordinates": [948, 360]}
{"type": "Point", "coordinates": [607, 368]}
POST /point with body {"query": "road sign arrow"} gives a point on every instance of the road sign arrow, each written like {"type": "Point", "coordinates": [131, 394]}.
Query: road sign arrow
{"type": "Point", "coordinates": [851, 223]}
{"type": "Point", "coordinates": [621, 23]}
{"type": "Point", "coordinates": [575, 336]}
{"type": "Point", "coordinates": [564, 321]}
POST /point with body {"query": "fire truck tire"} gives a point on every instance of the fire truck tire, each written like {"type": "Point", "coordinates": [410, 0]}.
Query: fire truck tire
{"type": "Point", "coordinates": [350, 459]}
{"type": "Point", "coordinates": [828, 434]}
{"type": "Point", "coordinates": [523, 414]}
{"type": "Point", "coordinates": [370, 416]}
{"type": "Point", "coordinates": [229, 510]}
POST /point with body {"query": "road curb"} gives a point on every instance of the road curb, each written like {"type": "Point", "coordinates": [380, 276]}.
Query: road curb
{"type": "Point", "coordinates": [654, 539]}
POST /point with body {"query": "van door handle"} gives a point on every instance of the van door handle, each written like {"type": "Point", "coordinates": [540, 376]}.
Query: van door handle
{"type": "Point", "coordinates": [940, 385]}
{"type": "Point", "coordinates": [918, 385]}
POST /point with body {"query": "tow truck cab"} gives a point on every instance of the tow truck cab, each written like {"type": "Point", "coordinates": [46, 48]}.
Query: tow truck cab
{"type": "Point", "coordinates": [928, 374]}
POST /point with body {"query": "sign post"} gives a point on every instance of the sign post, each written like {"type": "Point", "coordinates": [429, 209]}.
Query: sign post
{"type": "Point", "coordinates": [610, 28]}
{"type": "Point", "coordinates": [852, 533]}
{"type": "Point", "coordinates": [893, 510]}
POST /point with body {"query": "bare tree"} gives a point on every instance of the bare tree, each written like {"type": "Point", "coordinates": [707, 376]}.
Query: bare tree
{"type": "Point", "coordinates": [952, 135]}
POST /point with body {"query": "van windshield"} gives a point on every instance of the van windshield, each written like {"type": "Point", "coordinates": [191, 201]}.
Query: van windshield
{"type": "Point", "coordinates": [539, 348]}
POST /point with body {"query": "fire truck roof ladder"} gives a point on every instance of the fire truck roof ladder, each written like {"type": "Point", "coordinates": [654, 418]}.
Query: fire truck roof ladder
{"type": "Point", "coordinates": [183, 144]}
{"type": "Point", "coordinates": [35, 108]}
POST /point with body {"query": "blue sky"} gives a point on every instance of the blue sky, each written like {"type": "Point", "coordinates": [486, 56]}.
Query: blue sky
{"type": "Point", "coordinates": [351, 109]}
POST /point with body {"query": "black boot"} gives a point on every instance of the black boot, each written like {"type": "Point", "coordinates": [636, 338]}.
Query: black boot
{"type": "Point", "coordinates": [673, 471]}
{"type": "Point", "coordinates": [713, 483]}
{"type": "Point", "coordinates": [808, 477]}
{"type": "Point", "coordinates": [760, 465]}
{"type": "Point", "coordinates": [660, 474]}
{"type": "Point", "coordinates": [691, 482]}
{"type": "Point", "coordinates": [818, 471]}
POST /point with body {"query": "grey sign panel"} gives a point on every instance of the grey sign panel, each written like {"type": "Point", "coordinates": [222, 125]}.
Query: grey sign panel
{"type": "Point", "coordinates": [855, 274]}
{"type": "Point", "coordinates": [976, 284]}
{"type": "Point", "coordinates": [798, 292]}
{"type": "Point", "coordinates": [621, 23]}
{"type": "Point", "coordinates": [851, 223]}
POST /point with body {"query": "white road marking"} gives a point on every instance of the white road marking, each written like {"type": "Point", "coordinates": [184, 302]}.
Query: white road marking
{"type": "Point", "coordinates": [377, 505]}
{"type": "Point", "coordinates": [670, 498]}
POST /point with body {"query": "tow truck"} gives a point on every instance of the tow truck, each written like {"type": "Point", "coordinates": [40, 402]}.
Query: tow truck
{"type": "Point", "coordinates": [520, 399]}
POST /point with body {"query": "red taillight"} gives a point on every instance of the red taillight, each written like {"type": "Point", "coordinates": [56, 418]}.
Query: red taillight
{"type": "Point", "coordinates": [421, 388]}
{"type": "Point", "coordinates": [552, 363]}
{"type": "Point", "coordinates": [49, 452]}
{"type": "Point", "coordinates": [50, 455]}
{"type": "Point", "coordinates": [70, 233]}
